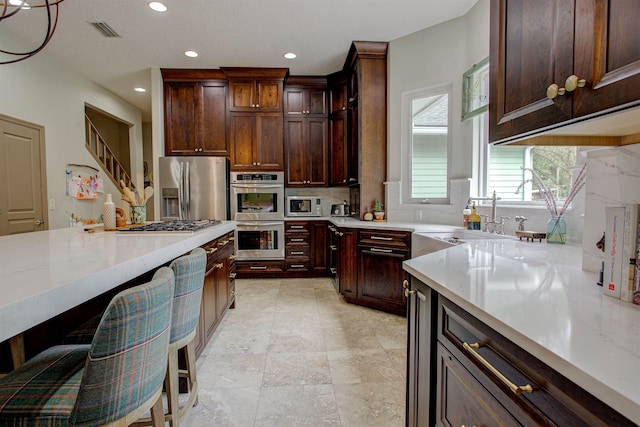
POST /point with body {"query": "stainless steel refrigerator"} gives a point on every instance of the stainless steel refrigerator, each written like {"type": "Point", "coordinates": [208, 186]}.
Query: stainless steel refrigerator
{"type": "Point", "coordinates": [194, 188]}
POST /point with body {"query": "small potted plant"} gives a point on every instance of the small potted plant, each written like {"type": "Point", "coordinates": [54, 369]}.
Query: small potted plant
{"type": "Point", "coordinates": [378, 210]}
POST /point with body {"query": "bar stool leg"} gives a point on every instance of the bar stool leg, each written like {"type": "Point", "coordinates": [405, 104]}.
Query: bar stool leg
{"type": "Point", "coordinates": [172, 385]}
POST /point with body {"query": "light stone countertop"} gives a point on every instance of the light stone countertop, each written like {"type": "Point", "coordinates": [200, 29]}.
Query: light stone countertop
{"type": "Point", "coordinates": [536, 295]}
{"type": "Point", "coordinates": [45, 273]}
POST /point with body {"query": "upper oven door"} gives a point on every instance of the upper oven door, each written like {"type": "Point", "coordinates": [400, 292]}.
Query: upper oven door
{"type": "Point", "coordinates": [257, 202]}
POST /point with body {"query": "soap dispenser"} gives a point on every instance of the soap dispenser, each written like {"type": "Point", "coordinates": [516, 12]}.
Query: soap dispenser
{"type": "Point", "coordinates": [474, 219]}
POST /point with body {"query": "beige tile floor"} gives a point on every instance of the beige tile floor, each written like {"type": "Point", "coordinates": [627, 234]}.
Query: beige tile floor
{"type": "Point", "coordinates": [293, 353]}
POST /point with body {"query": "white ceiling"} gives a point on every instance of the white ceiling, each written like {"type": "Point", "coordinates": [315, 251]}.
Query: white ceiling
{"type": "Point", "coordinates": [226, 33]}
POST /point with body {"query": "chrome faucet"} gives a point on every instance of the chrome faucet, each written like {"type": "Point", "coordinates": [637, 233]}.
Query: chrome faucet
{"type": "Point", "coordinates": [493, 222]}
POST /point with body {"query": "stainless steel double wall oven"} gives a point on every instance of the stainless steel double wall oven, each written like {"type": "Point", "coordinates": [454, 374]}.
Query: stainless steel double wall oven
{"type": "Point", "coordinates": [257, 205]}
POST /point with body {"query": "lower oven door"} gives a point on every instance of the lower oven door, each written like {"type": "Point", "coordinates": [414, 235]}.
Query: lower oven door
{"type": "Point", "coordinates": [259, 240]}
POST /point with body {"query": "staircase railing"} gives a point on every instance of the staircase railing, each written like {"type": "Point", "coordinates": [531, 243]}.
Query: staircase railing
{"type": "Point", "coordinates": [103, 155]}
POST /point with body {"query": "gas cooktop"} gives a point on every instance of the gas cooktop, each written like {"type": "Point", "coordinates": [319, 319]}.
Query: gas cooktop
{"type": "Point", "coordinates": [176, 226]}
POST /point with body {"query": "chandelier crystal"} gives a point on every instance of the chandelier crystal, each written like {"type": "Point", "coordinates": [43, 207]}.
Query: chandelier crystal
{"type": "Point", "coordinates": [10, 8]}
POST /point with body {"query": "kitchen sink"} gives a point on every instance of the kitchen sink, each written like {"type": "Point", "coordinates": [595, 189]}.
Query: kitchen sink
{"type": "Point", "coordinates": [431, 241]}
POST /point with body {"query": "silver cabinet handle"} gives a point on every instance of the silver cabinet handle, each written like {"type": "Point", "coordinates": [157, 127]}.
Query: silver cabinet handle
{"type": "Point", "coordinates": [388, 239]}
{"type": "Point", "coordinates": [258, 267]}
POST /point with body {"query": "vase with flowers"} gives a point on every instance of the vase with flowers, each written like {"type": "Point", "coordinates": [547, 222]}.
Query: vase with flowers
{"type": "Point", "coordinates": [556, 226]}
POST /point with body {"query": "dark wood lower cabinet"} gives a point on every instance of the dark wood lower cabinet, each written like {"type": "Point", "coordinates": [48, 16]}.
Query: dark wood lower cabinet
{"type": "Point", "coordinates": [218, 293]}
{"type": "Point", "coordinates": [449, 385]}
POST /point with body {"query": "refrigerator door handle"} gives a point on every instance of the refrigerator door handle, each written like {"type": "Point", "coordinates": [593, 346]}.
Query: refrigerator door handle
{"type": "Point", "coordinates": [181, 192]}
{"type": "Point", "coordinates": [187, 191]}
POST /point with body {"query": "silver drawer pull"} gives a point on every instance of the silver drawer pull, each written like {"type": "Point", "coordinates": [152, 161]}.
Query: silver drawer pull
{"type": "Point", "coordinates": [212, 251]}
{"type": "Point", "coordinates": [517, 389]}
{"type": "Point", "coordinates": [297, 240]}
{"type": "Point", "coordinates": [232, 257]}
{"type": "Point", "coordinates": [258, 267]}
{"type": "Point", "coordinates": [333, 247]}
{"type": "Point", "coordinates": [232, 275]}
{"type": "Point", "coordinates": [219, 265]}
{"type": "Point", "coordinates": [388, 239]}
{"type": "Point", "coordinates": [297, 253]}
{"type": "Point", "coordinates": [297, 226]}
{"type": "Point", "coordinates": [297, 265]}
{"type": "Point", "coordinates": [386, 251]}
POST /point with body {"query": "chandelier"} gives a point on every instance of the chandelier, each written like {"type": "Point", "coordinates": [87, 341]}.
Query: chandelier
{"type": "Point", "coordinates": [9, 8]}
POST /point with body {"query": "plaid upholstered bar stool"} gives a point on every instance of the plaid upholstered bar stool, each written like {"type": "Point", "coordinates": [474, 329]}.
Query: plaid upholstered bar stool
{"type": "Point", "coordinates": [189, 271]}
{"type": "Point", "coordinates": [111, 382]}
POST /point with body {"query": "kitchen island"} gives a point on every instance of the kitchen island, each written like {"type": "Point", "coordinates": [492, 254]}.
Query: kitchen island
{"type": "Point", "coordinates": [47, 273]}
{"type": "Point", "coordinates": [537, 297]}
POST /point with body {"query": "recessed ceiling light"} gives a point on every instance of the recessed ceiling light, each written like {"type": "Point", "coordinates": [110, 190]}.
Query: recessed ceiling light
{"type": "Point", "coordinates": [140, 89]}
{"type": "Point", "coordinates": [157, 6]}
{"type": "Point", "coordinates": [290, 55]}
{"type": "Point", "coordinates": [191, 53]}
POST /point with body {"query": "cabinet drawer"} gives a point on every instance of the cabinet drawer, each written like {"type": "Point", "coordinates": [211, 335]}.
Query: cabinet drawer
{"type": "Point", "coordinates": [394, 239]}
{"type": "Point", "coordinates": [293, 265]}
{"type": "Point", "coordinates": [254, 267]}
{"type": "Point", "coordinates": [296, 226]}
{"type": "Point", "coordinates": [509, 373]}
{"type": "Point", "coordinates": [296, 239]}
{"type": "Point", "coordinates": [297, 252]}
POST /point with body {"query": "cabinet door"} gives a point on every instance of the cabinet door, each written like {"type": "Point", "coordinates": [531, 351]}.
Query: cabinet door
{"type": "Point", "coordinates": [269, 142]}
{"type": "Point", "coordinates": [317, 156]}
{"type": "Point", "coordinates": [242, 128]}
{"type": "Point", "coordinates": [316, 102]}
{"type": "Point", "coordinates": [338, 149]}
{"type": "Point", "coordinates": [294, 102]}
{"type": "Point", "coordinates": [462, 400]}
{"type": "Point", "coordinates": [213, 135]}
{"type": "Point", "coordinates": [209, 302]}
{"type": "Point", "coordinates": [222, 286]}
{"type": "Point", "coordinates": [419, 329]}
{"type": "Point", "coordinates": [295, 152]}
{"type": "Point", "coordinates": [531, 47]}
{"type": "Point", "coordinates": [380, 278]}
{"type": "Point", "coordinates": [347, 262]}
{"type": "Point", "coordinates": [607, 55]}
{"type": "Point", "coordinates": [319, 247]}
{"type": "Point", "coordinates": [353, 126]}
{"type": "Point", "coordinates": [181, 132]}
{"type": "Point", "coordinates": [269, 95]}
{"type": "Point", "coordinates": [242, 96]}
{"type": "Point", "coordinates": [339, 98]}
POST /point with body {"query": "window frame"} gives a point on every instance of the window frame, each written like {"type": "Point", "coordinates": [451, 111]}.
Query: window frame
{"type": "Point", "coordinates": [407, 142]}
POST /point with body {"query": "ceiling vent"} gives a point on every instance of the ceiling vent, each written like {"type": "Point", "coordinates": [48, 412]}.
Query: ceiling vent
{"type": "Point", "coordinates": [105, 29]}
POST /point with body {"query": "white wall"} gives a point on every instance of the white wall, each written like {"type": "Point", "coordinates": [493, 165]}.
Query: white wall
{"type": "Point", "coordinates": [438, 56]}
{"type": "Point", "coordinates": [42, 91]}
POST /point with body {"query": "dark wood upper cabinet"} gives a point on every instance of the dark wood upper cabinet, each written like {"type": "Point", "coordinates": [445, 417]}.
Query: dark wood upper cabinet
{"type": "Point", "coordinates": [195, 113]}
{"type": "Point", "coordinates": [305, 96]}
{"type": "Point", "coordinates": [256, 141]}
{"type": "Point", "coordinates": [255, 89]}
{"type": "Point", "coordinates": [338, 152]}
{"type": "Point", "coordinates": [537, 48]}
{"type": "Point", "coordinates": [306, 132]}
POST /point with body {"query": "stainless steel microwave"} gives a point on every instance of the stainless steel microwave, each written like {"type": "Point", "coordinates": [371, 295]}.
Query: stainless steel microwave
{"type": "Point", "coordinates": [304, 206]}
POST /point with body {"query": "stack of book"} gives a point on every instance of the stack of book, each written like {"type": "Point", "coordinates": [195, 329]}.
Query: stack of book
{"type": "Point", "coordinates": [621, 247]}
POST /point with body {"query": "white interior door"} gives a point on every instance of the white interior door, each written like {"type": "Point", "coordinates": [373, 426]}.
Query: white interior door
{"type": "Point", "coordinates": [23, 192]}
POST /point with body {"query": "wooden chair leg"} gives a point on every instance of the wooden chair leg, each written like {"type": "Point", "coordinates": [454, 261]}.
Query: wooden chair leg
{"type": "Point", "coordinates": [172, 385]}
{"type": "Point", "coordinates": [157, 413]}
{"type": "Point", "coordinates": [191, 366]}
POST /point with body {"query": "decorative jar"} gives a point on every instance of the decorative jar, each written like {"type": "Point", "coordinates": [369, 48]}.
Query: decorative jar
{"type": "Point", "coordinates": [556, 230]}
{"type": "Point", "coordinates": [138, 214]}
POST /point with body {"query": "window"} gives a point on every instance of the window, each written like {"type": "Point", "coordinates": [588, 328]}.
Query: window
{"type": "Point", "coordinates": [427, 144]}
{"type": "Point", "coordinates": [509, 168]}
